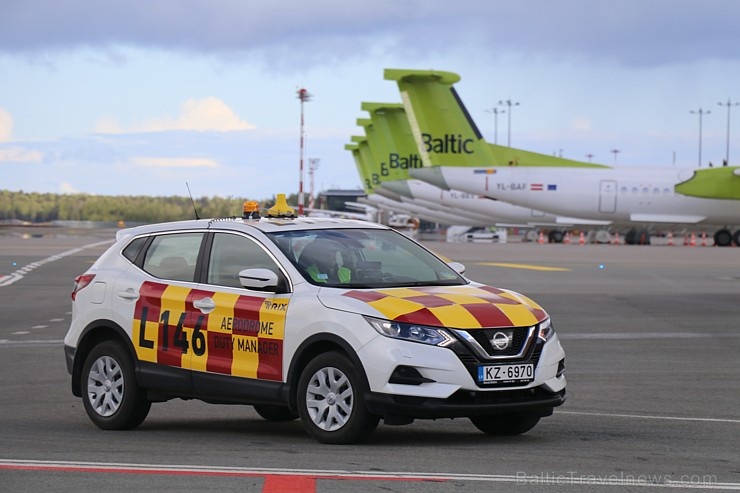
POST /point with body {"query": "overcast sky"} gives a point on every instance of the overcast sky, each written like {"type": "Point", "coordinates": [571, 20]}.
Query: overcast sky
{"type": "Point", "coordinates": [138, 97]}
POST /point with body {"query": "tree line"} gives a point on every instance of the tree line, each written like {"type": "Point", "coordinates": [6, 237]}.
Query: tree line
{"type": "Point", "coordinates": [47, 207]}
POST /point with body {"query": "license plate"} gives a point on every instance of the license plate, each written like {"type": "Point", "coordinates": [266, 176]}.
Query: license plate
{"type": "Point", "coordinates": [506, 373]}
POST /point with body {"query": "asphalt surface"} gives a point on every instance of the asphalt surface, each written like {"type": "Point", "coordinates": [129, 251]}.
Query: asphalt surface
{"type": "Point", "coordinates": [652, 342]}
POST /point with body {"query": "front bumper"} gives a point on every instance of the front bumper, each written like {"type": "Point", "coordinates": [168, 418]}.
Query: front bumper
{"type": "Point", "coordinates": [533, 401]}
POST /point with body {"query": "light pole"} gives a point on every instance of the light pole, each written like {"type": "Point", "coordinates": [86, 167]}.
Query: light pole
{"type": "Point", "coordinates": [313, 165]}
{"type": "Point", "coordinates": [729, 105]}
{"type": "Point", "coordinates": [496, 112]}
{"type": "Point", "coordinates": [701, 112]}
{"type": "Point", "coordinates": [304, 96]}
{"type": "Point", "coordinates": [508, 103]}
{"type": "Point", "coordinates": [615, 152]}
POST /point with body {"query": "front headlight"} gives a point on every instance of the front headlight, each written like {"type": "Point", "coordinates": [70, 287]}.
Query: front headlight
{"type": "Point", "coordinates": [433, 336]}
{"type": "Point", "coordinates": [545, 330]}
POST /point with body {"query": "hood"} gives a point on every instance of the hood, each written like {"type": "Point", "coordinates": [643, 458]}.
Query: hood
{"type": "Point", "coordinates": [460, 307]}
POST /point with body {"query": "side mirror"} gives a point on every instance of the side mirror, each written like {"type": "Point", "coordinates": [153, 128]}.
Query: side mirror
{"type": "Point", "coordinates": [258, 279]}
{"type": "Point", "coordinates": [457, 267]}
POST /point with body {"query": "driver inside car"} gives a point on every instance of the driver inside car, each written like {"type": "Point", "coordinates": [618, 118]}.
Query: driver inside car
{"type": "Point", "coordinates": [319, 259]}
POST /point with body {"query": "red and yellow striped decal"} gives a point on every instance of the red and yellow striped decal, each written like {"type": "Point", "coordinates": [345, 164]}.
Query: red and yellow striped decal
{"type": "Point", "coordinates": [243, 336]}
{"type": "Point", "coordinates": [462, 307]}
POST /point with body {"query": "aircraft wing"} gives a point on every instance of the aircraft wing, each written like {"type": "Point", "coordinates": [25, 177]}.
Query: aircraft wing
{"type": "Point", "coordinates": [666, 218]}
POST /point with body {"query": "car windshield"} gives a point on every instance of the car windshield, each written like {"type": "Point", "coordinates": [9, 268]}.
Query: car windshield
{"type": "Point", "coordinates": [363, 258]}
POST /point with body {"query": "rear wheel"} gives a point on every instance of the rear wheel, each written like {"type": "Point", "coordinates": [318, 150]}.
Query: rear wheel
{"type": "Point", "coordinates": [555, 236]}
{"type": "Point", "coordinates": [275, 413]}
{"type": "Point", "coordinates": [331, 401]}
{"type": "Point", "coordinates": [111, 397]}
{"type": "Point", "coordinates": [505, 424]}
{"type": "Point", "coordinates": [723, 238]}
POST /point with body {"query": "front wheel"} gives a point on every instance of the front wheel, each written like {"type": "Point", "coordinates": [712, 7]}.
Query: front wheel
{"type": "Point", "coordinates": [111, 397]}
{"type": "Point", "coordinates": [505, 424]}
{"type": "Point", "coordinates": [331, 401]}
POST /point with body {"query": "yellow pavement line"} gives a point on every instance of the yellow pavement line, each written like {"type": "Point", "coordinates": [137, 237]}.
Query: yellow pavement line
{"type": "Point", "coordinates": [524, 266]}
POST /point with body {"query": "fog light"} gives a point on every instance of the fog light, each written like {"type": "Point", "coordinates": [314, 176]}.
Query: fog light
{"type": "Point", "coordinates": [561, 368]}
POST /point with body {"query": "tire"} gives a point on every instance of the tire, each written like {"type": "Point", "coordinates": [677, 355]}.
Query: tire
{"type": "Point", "coordinates": [630, 238]}
{"type": "Point", "coordinates": [275, 413]}
{"type": "Point", "coordinates": [505, 424]}
{"type": "Point", "coordinates": [110, 394]}
{"type": "Point", "coordinates": [736, 238]}
{"type": "Point", "coordinates": [555, 236]}
{"type": "Point", "coordinates": [723, 238]}
{"type": "Point", "coordinates": [331, 401]}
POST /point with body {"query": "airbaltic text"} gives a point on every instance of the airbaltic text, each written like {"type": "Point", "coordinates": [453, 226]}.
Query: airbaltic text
{"type": "Point", "coordinates": [448, 144]}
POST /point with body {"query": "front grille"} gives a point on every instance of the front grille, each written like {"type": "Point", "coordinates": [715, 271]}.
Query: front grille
{"type": "Point", "coordinates": [472, 357]}
{"type": "Point", "coordinates": [517, 334]}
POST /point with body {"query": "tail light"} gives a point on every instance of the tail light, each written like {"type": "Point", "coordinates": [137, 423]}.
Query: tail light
{"type": "Point", "coordinates": [81, 282]}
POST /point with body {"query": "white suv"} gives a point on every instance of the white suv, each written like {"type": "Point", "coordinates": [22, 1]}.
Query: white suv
{"type": "Point", "coordinates": [338, 322]}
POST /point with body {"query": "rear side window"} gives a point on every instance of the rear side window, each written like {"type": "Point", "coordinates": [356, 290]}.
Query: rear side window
{"type": "Point", "coordinates": [173, 256]}
{"type": "Point", "coordinates": [132, 249]}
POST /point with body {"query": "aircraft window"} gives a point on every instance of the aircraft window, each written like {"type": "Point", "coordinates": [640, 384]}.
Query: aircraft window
{"type": "Point", "coordinates": [656, 191]}
{"type": "Point", "coordinates": [634, 189]}
{"type": "Point", "coordinates": [645, 190]}
{"type": "Point", "coordinates": [624, 190]}
{"type": "Point", "coordinates": [666, 191]}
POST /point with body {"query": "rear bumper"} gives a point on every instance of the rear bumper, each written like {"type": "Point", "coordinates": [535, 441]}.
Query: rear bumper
{"type": "Point", "coordinates": [536, 402]}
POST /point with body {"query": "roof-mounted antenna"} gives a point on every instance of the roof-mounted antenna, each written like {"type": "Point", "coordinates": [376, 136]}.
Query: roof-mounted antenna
{"type": "Point", "coordinates": [192, 201]}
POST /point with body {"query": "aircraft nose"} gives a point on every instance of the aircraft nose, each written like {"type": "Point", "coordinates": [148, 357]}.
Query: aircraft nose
{"type": "Point", "coordinates": [431, 175]}
{"type": "Point", "coordinates": [401, 187]}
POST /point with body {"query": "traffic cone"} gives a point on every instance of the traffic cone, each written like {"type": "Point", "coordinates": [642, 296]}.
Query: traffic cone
{"type": "Point", "coordinates": [703, 238]}
{"type": "Point", "coordinates": [693, 240]}
{"type": "Point", "coordinates": [670, 238]}
{"type": "Point", "coordinates": [686, 239]}
{"type": "Point", "coordinates": [616, 238]}
{"type": "Point", "coordinates": [541, 238]}
{"type": "Point", "coordinates": [567, 238]}
{"type": "Point", "coordinates": [581, 239]}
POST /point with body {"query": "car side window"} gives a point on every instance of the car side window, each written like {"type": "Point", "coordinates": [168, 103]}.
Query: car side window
{"type": "Point", "coordinates": [132, 249]}
{"type": "Point", "coordinates": [173, 256]}
{"type": "Point", "coordinates": [232, 253]}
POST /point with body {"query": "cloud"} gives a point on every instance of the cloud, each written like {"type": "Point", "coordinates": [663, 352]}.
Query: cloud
{"type": "Point", "coordinates": [202, 115]}
{"type": "Point", "coordinates": [287, 33]}
{"type": "Point", "coordinates": [20, 155]}
{"type": "Point", "coordinates": [66, 187]}
{"type": "Point", "coordinates": [581, 123]}
{"type": "Point", "coordinates": [6, 125]}
{"type": "Point", "coordinates": [174, 162]}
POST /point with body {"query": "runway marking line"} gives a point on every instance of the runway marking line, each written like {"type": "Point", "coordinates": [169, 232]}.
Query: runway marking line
{"type": "Point", "coordinates": [543, 268]}
{"type": "Point", "coordinates": [304, 481]}
{"type": "Point", "coordinates": [8, 279]}
{"type": "Point", "coordinates": [648, 416]}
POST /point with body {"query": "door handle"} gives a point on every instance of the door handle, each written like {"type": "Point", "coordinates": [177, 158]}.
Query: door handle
{"type": "Point", "coordinates": [205, 305]}
{"type": "Point", "coordinates": [128, 294]}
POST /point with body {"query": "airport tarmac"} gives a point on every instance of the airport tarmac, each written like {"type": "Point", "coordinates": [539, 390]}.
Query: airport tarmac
{"type": "Point", "coordinates": [651, 337]}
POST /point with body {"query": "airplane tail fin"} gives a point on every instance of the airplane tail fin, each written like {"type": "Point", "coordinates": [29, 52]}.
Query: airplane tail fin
{"type": "Point", "coordinates": [367, 183]}
{"type": "Point", "coordinates": [446, 133]}
{"type": "Point", "coordinates": [392, 126]}
{"type": "Point", "coordinates": [443, 130]}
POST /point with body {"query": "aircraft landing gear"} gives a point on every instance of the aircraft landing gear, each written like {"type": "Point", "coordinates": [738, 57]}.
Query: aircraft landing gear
{"type": "Point", "coordinates": [555, 236]}
{"type": "Point", "coordinates": [724, 237]}
{"type": "Point", "coordinates": [635, 237]}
